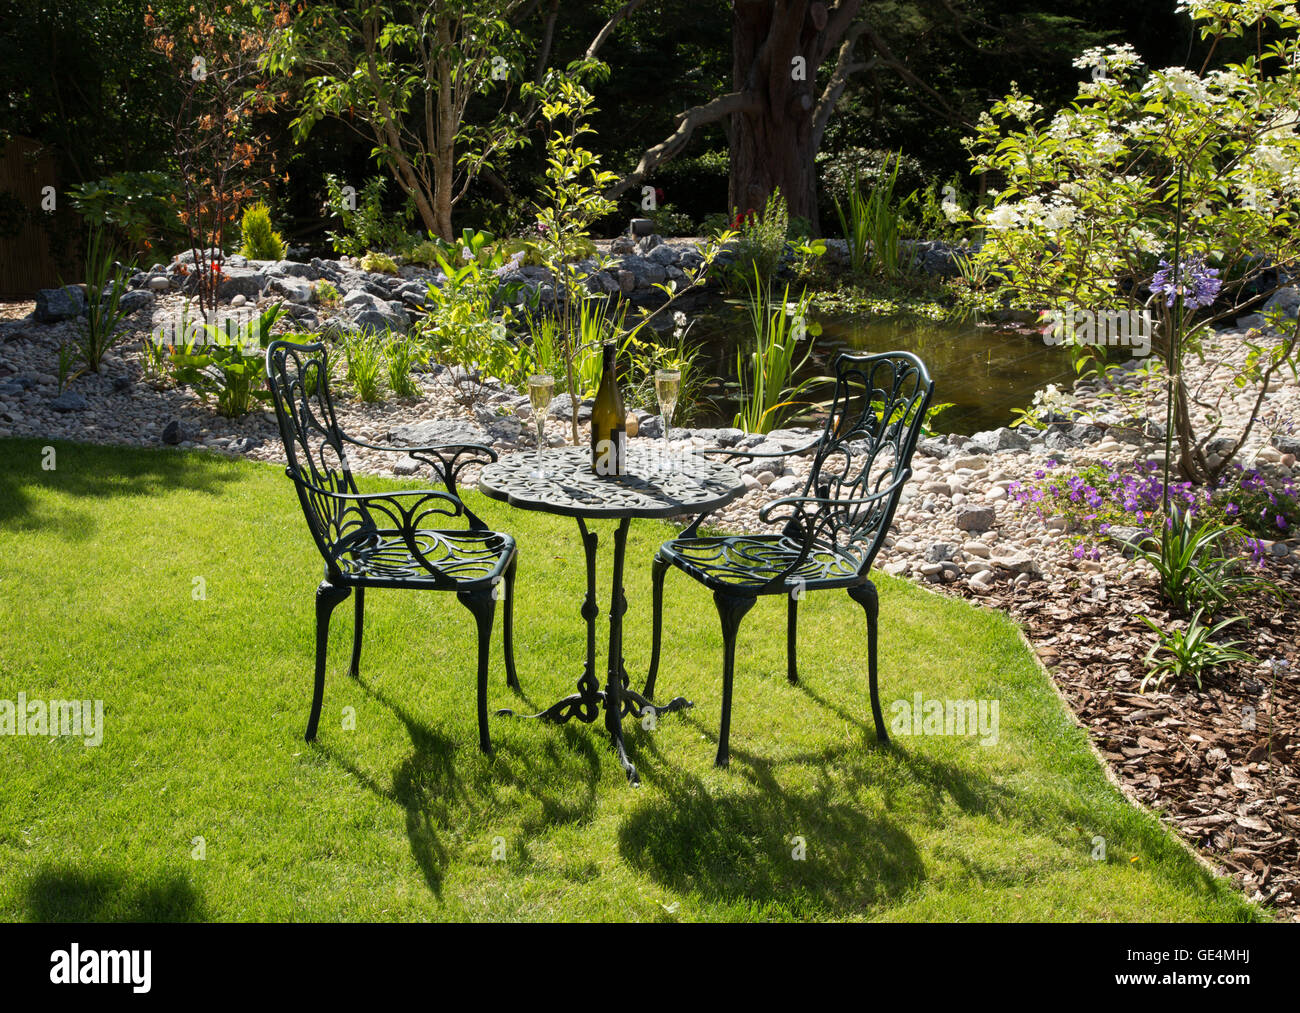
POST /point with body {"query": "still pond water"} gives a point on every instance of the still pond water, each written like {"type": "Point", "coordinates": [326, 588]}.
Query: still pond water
{"type": "Point", "coordinates": [985, 371]}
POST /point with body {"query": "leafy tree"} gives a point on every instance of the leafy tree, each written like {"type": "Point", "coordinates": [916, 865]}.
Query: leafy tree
{"type": "Point", "coordinates": [403, 76]}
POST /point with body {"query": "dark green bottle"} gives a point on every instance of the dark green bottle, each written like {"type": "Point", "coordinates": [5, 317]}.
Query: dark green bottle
{"type": "Point", "coordinates": [608, 422]}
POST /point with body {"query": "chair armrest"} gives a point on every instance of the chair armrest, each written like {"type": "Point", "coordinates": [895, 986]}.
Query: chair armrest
{"type": "Point", "coordinates": [798, 502]}
{"type": "Point", "coordinates": [447, 466]}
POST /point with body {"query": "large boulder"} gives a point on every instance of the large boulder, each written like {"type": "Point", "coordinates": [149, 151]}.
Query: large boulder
{"type": "Point", "coordinates": [293, 289]}
{"type": "Point", "coordinates": [55, 304]}
{"type": "Point", "coordinates": [645, 272]}
{"type": "Point", "coordinates": [244, 281]}
{"type": "Point", "coordinates": [994, 440]}
{"type": "Point", "coordinates": [437, 432]}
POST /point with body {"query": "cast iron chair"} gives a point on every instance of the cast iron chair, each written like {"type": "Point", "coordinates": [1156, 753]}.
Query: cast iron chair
{"type": "Point", "coordinates": [832, 530]}
{"type": "Point", "coordinates": [380, 539]}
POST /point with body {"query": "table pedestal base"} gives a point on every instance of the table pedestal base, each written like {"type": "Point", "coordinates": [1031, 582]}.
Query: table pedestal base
{"type": "Point", "coordinates": [617, 698]}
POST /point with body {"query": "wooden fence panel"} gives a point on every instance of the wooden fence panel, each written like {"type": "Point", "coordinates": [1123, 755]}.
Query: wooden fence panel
{"type": "Point", "coordinates": [25, 261]}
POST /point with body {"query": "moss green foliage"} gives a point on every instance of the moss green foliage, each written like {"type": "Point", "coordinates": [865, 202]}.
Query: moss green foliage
{"type": "Point", "coordinates": [380, 263]}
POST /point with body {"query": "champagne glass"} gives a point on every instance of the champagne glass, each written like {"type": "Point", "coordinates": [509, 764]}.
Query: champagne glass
{"type": "Point", "coordinates": [541, 388]}
{"type": "Point", "coordinates": [668, 384]}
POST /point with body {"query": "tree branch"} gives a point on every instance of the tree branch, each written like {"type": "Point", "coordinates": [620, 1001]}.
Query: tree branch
{"type": "Point", "coordinates": [603, 35]}
{"type": "Point", "coordinates": [712, 111]}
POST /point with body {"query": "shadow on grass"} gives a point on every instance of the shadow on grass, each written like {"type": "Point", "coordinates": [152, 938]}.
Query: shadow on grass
{"type": "Point", "coordinates": [435, 794]}
{"type": "Point", "coordinates": [89, 472]}
{"type": "Point", "coordinates": [71, 895]}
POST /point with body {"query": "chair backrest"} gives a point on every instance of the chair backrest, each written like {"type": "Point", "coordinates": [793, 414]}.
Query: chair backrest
{"type": "Point", "coordinates": [298, 377]}
{"type": "Point", "coordinates": [872, 430]}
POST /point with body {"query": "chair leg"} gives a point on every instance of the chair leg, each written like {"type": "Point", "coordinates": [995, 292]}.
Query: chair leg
{"type": "Point", "coordinates": [508, 626]}
{"type": "Point", "coordinates": [866, 596]}
{"type": "Point", "coordinates": [731, 609]}
{"type": "Point", "coordinates": [791, 637]}
{"type": "Point", "coordinates": [657, 571]}
{"type": "Point", "coordinates": [482, 605]}
{"type": "Point", "coordinates": [327, 597]}
{"type": "Point", "coordinates": [357, 625]}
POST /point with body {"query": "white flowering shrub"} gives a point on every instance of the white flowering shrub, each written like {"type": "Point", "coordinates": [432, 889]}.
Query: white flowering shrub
{"type": "Point", "coordinates": [1175, 190]}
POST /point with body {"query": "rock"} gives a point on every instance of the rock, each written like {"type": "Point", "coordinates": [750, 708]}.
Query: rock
{"type": "Point", "coordinates": [1016, 562]}
{"type": "Point", "coordinates": [240, 281]}
{"type": "Point", "coordinates": [724, 438]}
{"type": "Point", "coordinates": [171, 433]}
{"type": "Point", "coordinates": [121, 384]}
{"type": "Point", "coordinates": [382, 319]}
{"type": "Point", "coordinates": [652, 427]}
{"type": "Point", "coordinates": [69, 401]}
{"type": "Point", "coordinates": [239, 300]}
{"type": "Point", "coordinates": [137, 300]}
{"type": "Point", "coordinates": [664, 256]}
{"type": "Point", "coordinates": [940, 552]}
{"type": "Point", "coordinates": [55, 304]}
{"type": "Point", "coordinates": [604, 283]}
{"type": "Point", "coordinates": [406, 466]}
{"type": "Point", "coordinates": [160, 284]}
{"type": "Point", "coordinates": [633, 425]}
{"type": "Point", "coordinates": [244, 444]}
{"type": "Point", "coordinates": [975, 518]}
{"type": "Point", "coordinates": [792, 439]}
{"type": "Point", "coordinates": [786, 485]}
{"type": "Point", "coordinates": [562, 408]}
{"type": "Point", "coordinates": [294, 290]}
{"type": "Point", "coordinates": [1059, 439]}
{"type": "Point", "coordinates": [645, 272]}
{"type": "Point", "coordinates": [1126, 539]}
{"type": "Point", "coordinates": [622, 246]}
{"type": "Point", "coordinates": [759, 464]}
{"type": "Point", "coordinates": [995, 440]}
{"type": "Point", "coordinates": [1286, 300]}
{"type": "Point", "coordinates": [1286, 444]}
{"type": "Point", "coordinates": [436, 432]}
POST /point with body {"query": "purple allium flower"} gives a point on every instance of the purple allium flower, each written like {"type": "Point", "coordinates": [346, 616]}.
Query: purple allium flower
{"type": "Point", "coordinates": [1197, 283]}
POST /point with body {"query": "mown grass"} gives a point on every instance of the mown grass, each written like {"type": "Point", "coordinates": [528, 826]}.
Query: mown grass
{"type": "Point", "coordinates": [206, 698]}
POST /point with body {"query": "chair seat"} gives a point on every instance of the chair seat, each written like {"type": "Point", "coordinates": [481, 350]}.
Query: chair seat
{"type": "Point", "coordinates": [748, 562]}
{"type": "Point", "coordinates": [382, 558]}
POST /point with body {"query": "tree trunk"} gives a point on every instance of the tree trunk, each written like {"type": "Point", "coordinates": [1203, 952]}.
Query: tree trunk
{"type": "Point", "coordinates": [776, 50]}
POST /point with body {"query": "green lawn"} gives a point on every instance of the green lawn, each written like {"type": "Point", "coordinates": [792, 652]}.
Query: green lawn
{"type": "Point", "coordinates": [205, 702]}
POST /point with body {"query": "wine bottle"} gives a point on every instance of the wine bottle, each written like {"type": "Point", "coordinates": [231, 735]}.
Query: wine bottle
{"type": "Point", "coordinates": [608, 422]}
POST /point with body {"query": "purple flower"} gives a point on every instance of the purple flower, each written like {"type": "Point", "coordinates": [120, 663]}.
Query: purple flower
{"type": "Point", "coordinates": [1197, 284]}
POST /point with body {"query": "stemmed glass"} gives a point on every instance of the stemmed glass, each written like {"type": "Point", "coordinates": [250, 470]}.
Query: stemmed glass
{"type": "Point", "coordinates": [541, 389]}
{"type": "Point", "coordinates": [668, 384]}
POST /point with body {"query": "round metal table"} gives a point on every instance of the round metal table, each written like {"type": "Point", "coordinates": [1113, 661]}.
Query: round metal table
{"type": "Point", "coordinates": [657, 484]}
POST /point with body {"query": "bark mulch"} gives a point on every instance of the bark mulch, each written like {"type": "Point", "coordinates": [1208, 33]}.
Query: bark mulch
{"type": "Point", "coordinates": [1221, 764]}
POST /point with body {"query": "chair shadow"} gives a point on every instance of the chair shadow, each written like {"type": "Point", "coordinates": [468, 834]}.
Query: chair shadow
{"type": "Point", "coordinates": [428, 786]}
{"type": "Point", "coordinates": [62, 894]}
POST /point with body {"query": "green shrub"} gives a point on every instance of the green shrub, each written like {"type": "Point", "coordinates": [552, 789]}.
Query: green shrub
{"type": "Point", "coordinates": [261, 242]}
{"type": "Point", "coordinates": [231, 366]}
{"type": "Point", "coordinates": [137, 208]}
{"type": "Point", "coordinates": [326, 293]}
{"type": "Point", "coordinates": [1178, 653]}
{"type": "Point", "coordinates": [106, 283]}
{"type": "Point", "coordinates": [365, 356]}
{"type": "Point", "coordinates": [401, 354]}
{"type": "Point", "coordinates": [366, 225]}
{"type": "Point", "coordinates": [380, 263]}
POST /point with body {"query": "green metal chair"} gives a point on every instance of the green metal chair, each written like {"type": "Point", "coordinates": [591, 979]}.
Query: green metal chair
{"type": "Point", "coordinates": [385, 540]}
{"type": "Point", "coordinates": [833, 529]}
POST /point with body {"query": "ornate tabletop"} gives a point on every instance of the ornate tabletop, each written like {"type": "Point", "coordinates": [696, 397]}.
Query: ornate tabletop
{"type": "Point", "coordinates": [658, 483]}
